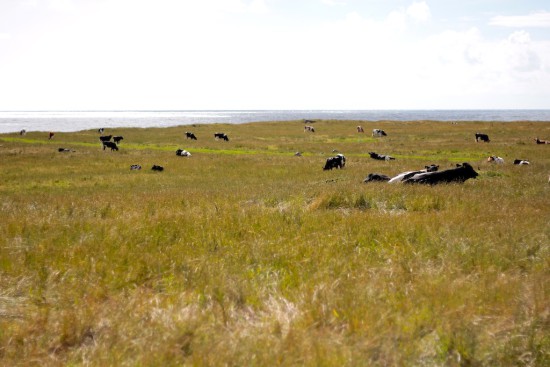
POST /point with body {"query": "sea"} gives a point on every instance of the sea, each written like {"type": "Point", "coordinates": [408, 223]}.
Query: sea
{"type": "Point", "coordinates": [68, 121]}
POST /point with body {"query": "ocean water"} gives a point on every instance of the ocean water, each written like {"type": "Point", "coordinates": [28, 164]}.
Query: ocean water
{"type": "Point", "coordinates": [14, 121]}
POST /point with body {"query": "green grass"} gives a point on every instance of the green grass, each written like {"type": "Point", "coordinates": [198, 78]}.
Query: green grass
{"type": "Point", "coordinates": [244, 254]}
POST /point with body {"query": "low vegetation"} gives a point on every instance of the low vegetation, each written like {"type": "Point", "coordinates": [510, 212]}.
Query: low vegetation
{"type": "Point", "coordinates": [246, 255]}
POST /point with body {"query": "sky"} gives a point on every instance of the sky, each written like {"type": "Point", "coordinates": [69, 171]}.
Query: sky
{"type": "Point", "coordinates": [274, 54]}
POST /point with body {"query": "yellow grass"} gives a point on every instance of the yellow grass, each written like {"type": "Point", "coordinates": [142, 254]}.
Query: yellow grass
{"type": "Point", "coordinates": [244, 254]}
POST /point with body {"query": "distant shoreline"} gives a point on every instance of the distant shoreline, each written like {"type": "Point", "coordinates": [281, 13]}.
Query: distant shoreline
{"type": "Point", "coordinates": [70, 121]}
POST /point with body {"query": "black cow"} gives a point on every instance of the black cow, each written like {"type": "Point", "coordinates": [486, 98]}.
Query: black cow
{"type": "Point", "coordinates": [191, 136]}
{"type": "Point", "coordinates": [309, 121]}
{"type": "Point", "coordinates": [482, 137]}
{"type": "Point", "coordinates": [461, 173]}
{"type": "Point", "coordinates": [105, 138]}
{"type": "Point", "coordinates": [335, 162]}
{"type": "Point", "coordinates": [157, 168]}
{"type": "Point", "coordinates": [380, 157]}
{"type": "Point", "coordinates": [376, 177]}
{"type": "Point", "coordinates": [110, 144]}
{"type": "Point", "coordinates": [221, 136]}
{"type": "Point", "coordinates": [117, 139]}
{"type": "Point", "coordinates": [64, 150]}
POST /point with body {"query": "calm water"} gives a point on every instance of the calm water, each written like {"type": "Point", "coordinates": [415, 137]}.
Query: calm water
{"type": "Point", "coordinates": [84, 120]}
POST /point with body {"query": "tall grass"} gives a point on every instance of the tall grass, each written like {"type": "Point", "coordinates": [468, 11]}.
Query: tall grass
{"type": "Point", "coordinates": [244, 254]}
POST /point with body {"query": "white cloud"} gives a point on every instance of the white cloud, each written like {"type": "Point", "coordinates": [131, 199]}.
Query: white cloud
{"type": "Point", "coordinates": [419, 11]}
{"type": "Point", "coordinates": [4, 36]}
{"type": "Point", "coordinates": [535, 20]}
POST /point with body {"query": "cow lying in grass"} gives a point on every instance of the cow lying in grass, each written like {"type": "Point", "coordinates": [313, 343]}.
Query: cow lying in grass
{"type": "Point", "coordinates": [135, 167]}
{"type": "Point", "coordinates": [461, 173]}
{"type": "Point", "coordinates": [539, 141]}
{"type": "Point", "coordinates": [157, 168]}
{"type": "Point", "coordinates": [380, 157]}
{"type": "Point", "coordinates": [521, 162]}
{"type": "Point", "coordinates": [430, 175]}
{"type": "Point", "coordinates": [378, 132]}
{"type": "Point", "coordinates": [183, 153]}
{"type": "Point", "coordinates": [405, 175]}
{"type": "Point", "coordinates": [495, 159]}
{"type": "Point", "coordinates": [335, 162]}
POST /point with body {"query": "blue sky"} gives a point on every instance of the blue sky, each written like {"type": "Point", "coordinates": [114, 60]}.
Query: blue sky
{"type": "Point", "coordinates": [274, 54]}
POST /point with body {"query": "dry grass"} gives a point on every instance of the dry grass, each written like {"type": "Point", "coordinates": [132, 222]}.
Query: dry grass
{"type": "Point", "coordinates": [246, 255]}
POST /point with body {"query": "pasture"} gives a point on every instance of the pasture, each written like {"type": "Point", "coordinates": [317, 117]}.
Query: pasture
{"type": "Point", "coordinates": [246, 255]}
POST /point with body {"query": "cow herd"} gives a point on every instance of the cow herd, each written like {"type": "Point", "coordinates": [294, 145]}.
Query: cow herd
{"type": "Point", "coordinates": [429, 175]}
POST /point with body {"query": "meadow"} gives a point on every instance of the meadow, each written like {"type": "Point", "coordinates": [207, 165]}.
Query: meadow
{"type": "Point", "coordinates": [246, 255]}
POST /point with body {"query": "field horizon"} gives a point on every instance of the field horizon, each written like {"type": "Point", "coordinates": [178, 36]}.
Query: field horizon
{"type": "Point", "coordinates": [246, 254]}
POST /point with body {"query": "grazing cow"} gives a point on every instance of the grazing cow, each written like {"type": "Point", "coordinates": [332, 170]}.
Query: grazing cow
{"type": "Point", "coordinates": [309, 121]}
{"type": "Point", "coordinates": [335, 162]}
{"type": "Point", "coordinates": [376, 177]}
{"type": "Point", "coordinates": [117, 139]}
{"type": "Point", "coordinates": [538, 141]}
{"type": "Point", "coordinates": [309, 128]}
{"type": "Point", "coordinates": [110, 144]}
{"type": "Point", "coordinates": [405, 175]}
{"type": "Point", "coordinates": [495, 159]}
{"type": "Point", "coordinates": [521, 162]}
{"type": "Point", "coordinates": [461, 173]}
{"type": "Point", "coordinates": [183, 153]}
{"type": "Point", "coordinates": [482, 137]}
{"type": "Point", "coordinates": [191, 136]}
{"type": "Point", "coordinates": [105, 138]}
{"type": "Point", "coordinates": [135, 167]}
{"type": "Point", "coordinates": [101, 130]}
{"type": "Point", "coordinates": [360, 129]}
{"type": "Point", "coordinates": [157, 168]}
{"type": "Point", "coordinates": [378, 132]}
{"type": "Point", "coordinates": [23, 132]}
{"type": "Point", "coordinates": [380, 157]}
{"type": "Point", "coordinates": [50, 136]}
{"type": "Point", "coordinates": [221, 136]}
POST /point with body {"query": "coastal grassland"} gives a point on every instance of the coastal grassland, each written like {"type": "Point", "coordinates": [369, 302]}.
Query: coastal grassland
{"type": "Point", "coordinates": [244, 254]}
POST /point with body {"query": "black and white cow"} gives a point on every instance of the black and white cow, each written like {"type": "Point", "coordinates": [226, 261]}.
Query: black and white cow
{"type": "Point", "coordinates": [221, 136]}
{"type": "Point", "coordinates": [117, 139]}
{"type": "Point", "coordinates": [191, 136]}
{"type": "Point", "coordinates": [521, 162]}
{"type": "Point", "coordinates": [64, 150]}
{"type": "Point", "coordinates": [482, 137]}
{"type": "Point", "coordinates": [157, 168]}
{"type": "Point", "coordinates": [135, 167]}
{"type": "Point", "coordinates": [105, 138]}
{"type": "Point", "coordinates": [183, 153]}
{"type": "Point", "coordinates": [378, 132]}
{"type": "Point", "coordinates": [380, 157]}
{"type": "Point", "coordinates": [376, 177]}
{"type": "Point", "coordinates": [539, 141]}
{"type": "Point", "coordinates": [495, 159]}
{"type": "Point", "coordinates": [405, 175]}
{"type": "Point", "coordinates": [110, 144]}
{"type": "Point", "coordinates": [309, 128]}
{"type": "Point", "coordinates": [461, 173]}
{"type": "Point", "coordinates": [23, 132]}
{"type": "Point", "coordinates": [339, 161]}
{"type": "Point", "coordinates": [101, 130]}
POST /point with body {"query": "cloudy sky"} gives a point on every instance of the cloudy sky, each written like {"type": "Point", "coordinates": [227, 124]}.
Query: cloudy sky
{"type": "Point", "coordinates": [274, 54]}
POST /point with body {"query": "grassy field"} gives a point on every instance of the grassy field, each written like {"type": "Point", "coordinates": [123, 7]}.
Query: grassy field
{"type": "Point", "coordinates": [246, 255]}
